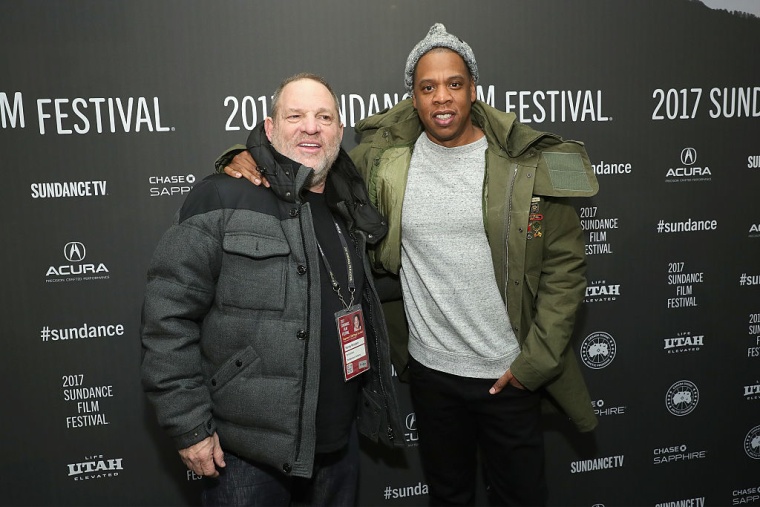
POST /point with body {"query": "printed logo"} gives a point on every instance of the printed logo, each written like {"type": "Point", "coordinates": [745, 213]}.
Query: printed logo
{"type": "Point", "coordinates": [411, 426]}
{"type": "Point", "coordinates": [597, 228]}
{"type": "Point", "coordinates": [55, 190]}
{"type": "Point", "coordinates": [690, 502]}
{"type": "Point", "coordinates": [682, 398]}
{"type": "Point", "coordinates": [538, 106]}
{"type": "Point", "coordinates": [684, 103]}
{"type": "Point", "coordinates": [684, 283]}
{"type": "Point", "coordinates": [752, 443]}
{"type": "Point", "coordinates": [676, 453]}
{"type": "Point", "coordinates": [405, 491]}
{"type": "Point", "coordinates": [746, 496]}
{"type": "Point", "coordinates": [752, 392]}
{"type": "Point", "coordinates": [688, 156]}
{"type": "Point", "coordinates": [684, 342]}
{"type": "Point", "coordinates": [600, 409]}
{"type": "Point", "coordinates": [80, 115]}
{"type": "Point", "coordinates": [590, 465]}
{"type": "Point", "coordinates": [688, 170]}
{"type": "Point", "coordinates": [598, 350]}
{"type": "Point", "coordinates": [87, 401]}
{"type": "Point", "coordinates": [745, 279]}
{"type": "Point", "coordinates": [612, 168]}
{"type": "Point", "coordinates": [178, 184]}
{"type": "Point", "coordinates": [600, 290]}
{"type": "Point", "coordinates": [81, 332]}
{"type": "Point", "coordinates": [74, 251]}
{"type": "Point", "coordinates": [687, 225]}
{"type": "Point", "coordinates": [95, 467]}
{"type": "Point", "coordinates": [78, 270]}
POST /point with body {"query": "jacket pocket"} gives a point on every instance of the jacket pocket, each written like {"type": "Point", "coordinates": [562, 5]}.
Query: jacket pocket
{"type": "Point", "coordinates": [254, 271]}
{"type": "Point", "coordinates": [232, 368]}
{"type": "Point", "coordinates": [233, 387]}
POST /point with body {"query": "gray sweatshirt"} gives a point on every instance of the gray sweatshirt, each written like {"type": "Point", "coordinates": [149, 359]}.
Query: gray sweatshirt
{"type": "Point", "coordinates": [458, 322]}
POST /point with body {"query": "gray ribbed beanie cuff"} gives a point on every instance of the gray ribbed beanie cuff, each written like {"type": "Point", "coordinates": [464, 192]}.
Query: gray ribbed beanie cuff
{"type": "Point", "coordinates": [438, 37]}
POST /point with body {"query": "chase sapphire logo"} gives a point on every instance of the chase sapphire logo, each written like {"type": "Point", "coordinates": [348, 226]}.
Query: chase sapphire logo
{"type": "Point", "coordinates": [74, 251]}
{"type": "Point", "coordinates": [682, 398]}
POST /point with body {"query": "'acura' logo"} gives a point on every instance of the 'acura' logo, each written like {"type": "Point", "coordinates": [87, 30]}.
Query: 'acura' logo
{"type": "Point", "coordinates": [688, 156]}
{"type": "Point", "coordinates": [74, 251]}
{"type": "Point", "coordinates": [411, 422]}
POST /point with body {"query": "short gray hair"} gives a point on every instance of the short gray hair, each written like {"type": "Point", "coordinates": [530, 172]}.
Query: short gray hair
{"type": "Point", "coordinates": [302, 75]}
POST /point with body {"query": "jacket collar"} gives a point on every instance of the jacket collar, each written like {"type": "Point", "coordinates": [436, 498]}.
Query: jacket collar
{"type": "Point", "coordinates": [287, 178]}
{"type": "Point", "coordinates": [345, 191]}
{"type": "Point", "coordinates": [404, 126]}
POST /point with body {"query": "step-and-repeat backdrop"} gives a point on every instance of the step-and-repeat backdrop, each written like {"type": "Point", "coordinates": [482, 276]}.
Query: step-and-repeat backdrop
{"type": "Point", "coordinates": [111, 111]}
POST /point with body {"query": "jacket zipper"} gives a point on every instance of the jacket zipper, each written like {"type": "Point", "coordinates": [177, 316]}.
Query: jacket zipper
{"type": "Point", "coordinates": [308, 338]}
{"type": "Point", "coordinates": [506, 233]}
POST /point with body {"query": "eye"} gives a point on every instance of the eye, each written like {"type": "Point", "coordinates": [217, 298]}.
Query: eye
{"type": "Point", "coordinates": [293, 118]}
{"type": "Point", "coordinates": [427, 88]}
{"type": "Point", "coordinates": [456, 84]}
{"type": "Point", "coordinates": [325, 119]}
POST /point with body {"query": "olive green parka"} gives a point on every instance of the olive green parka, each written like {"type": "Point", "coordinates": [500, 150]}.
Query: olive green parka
{"type": "Point", "coordinates": [536, 240]}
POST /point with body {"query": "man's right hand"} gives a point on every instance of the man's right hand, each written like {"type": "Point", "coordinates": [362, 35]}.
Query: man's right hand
{"type": "Point", "coordinates": [242, 165]}
{"type": "Point", "coordinates": [204, 457]}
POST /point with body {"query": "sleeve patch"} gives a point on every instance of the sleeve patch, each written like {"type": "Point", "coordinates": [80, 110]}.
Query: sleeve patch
{"type": "Point", "coordinates": [566, 171]}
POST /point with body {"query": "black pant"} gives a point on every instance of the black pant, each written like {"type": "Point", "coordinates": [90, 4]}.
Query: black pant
{"type": "Point", "coordinates": [456, 417]}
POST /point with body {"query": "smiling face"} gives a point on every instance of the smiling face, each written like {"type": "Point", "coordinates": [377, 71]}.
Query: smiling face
{"type": "Point", "coordinates": [443, 94]}
{"type": "Point", "coordinates": [305, 127]}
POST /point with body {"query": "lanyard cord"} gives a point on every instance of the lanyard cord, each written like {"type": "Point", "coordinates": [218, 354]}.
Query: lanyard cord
{"type": "Point", "coordinates": [349, 269]}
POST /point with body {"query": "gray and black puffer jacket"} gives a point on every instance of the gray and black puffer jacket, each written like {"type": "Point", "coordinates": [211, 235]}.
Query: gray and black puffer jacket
{"type": "Point", "coordinates": [231, 319]}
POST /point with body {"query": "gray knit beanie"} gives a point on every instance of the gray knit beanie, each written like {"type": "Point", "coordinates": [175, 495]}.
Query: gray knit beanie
{"type": "Point", "coordinates": [438, 37]}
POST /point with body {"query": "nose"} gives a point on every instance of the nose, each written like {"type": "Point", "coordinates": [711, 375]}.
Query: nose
{"type": "Point", "coordinates": [309, 124]}
{"type": "Point", "coordinates": [442, 95]}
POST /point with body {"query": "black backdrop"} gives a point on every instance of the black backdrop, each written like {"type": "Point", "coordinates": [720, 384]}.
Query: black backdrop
{"type": "Point", "coordinates": [111, 110]}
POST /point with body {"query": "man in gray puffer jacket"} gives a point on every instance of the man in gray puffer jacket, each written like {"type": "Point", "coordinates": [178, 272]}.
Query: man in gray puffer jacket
{"type": "Point", "coordinates": [251, 357]}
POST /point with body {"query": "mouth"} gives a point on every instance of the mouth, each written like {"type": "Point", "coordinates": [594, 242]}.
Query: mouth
{"type": "Point", "coordinates": [443, 118]}
{"type": "Point", "coordinates": [309, 147]}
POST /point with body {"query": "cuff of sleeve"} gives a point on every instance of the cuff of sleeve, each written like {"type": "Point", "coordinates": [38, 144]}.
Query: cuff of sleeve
{"type": "Point", "coordinates": [226, 157]}
{"type": "Point", "coordinates": [526, 374]}
{"type": "Point", "coordinates": [200, 432]}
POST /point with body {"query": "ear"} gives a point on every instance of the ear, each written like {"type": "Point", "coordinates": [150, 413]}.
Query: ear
{"type": "Point", "coordinates": [414, 99]}
{"type": "Point", "coordinates": [473, 91]}
{"type": "Point", "coordinates": [269, 127]}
